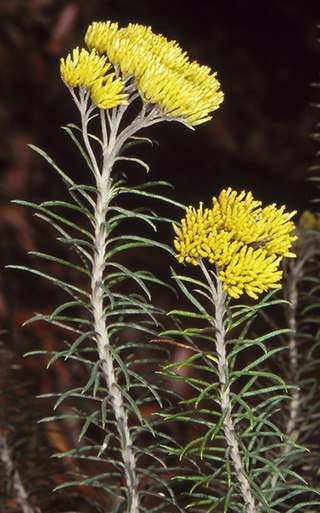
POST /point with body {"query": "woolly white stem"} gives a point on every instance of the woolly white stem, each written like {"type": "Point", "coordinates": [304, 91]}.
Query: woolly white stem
{"type": "Point", "coordinates": [293, 275]}
{"type": "Point", "coordinates": [85, 112]}
{"type": "Point", "coordinates": [293, 349]}
{"type": "Point", "coordinates": [219, 323]}
{"type": "Point", "coordinates": [103, 184]}
{"type": "Point", "coordinates": [112, 144]}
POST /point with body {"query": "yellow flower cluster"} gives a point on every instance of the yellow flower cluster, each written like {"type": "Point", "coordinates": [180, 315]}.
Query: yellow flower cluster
{"type": "Point", "coordinates": [164, 75]}
{"type": "Point", "coordinates": [88, 70]}
{"type": "Point", "coordinates": [246, 241]}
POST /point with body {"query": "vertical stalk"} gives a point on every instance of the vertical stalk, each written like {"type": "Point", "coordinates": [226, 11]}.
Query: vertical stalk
{"type": "Point", "coordinates": [103, 184]}
{"type": "Point", "coordinates": [292, 296]}
{"type": "Point", "coordinates": [112, 142]}
{"type": "Point", "coordinates": [219, 323]}
{"type": "Point", "coordinates": [294, 274]}
{"type": "Point", "coordinates": [20, 493]}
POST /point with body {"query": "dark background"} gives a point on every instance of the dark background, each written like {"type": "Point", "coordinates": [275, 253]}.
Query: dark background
{"type": "Point", "coordinates": [266, 54]}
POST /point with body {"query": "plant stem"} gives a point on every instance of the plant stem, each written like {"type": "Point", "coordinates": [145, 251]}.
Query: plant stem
{"type": "Point", "coordinates": [292, 296]}
{"type": "Point", "coordinates": [219, 323]}
{"type": "Point", "coordinates": [294, 272]}
{"type": "Point", "coordinates": [112, 142]}
{"type": "Point", "coordinates": [103, 184]}
{"type": "Point", "coordinates": [12, 473]}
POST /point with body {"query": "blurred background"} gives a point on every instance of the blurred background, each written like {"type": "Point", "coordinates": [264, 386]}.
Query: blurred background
{"type": "Point", "coordinates": [267, 56]}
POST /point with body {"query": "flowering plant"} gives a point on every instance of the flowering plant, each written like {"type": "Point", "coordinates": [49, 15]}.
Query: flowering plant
{"type": "Point", "coordinates": [246, 242]}
{"type": "Point", "coordinates": [128, 79]}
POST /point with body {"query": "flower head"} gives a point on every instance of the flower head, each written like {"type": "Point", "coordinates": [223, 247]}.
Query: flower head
{"type": "Point", "coordinates": [82, 68]}
{"type": "Point", "coordinates": [163, 73]}
{"type": "Point", "coordinates": [107, 92]}
{"type": "Point", "coordinates": [89, 70]}
{"type": "Point", "coordinates": [252, 271]}
{"type": "Point", "coordinates": [246, 241]}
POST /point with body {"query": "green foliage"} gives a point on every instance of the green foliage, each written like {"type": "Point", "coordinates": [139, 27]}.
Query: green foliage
{"type": "Point", "coordinates": [251, 400]}
{"type": "Point", "coordinates": [27, 473]}
{"type": "Point", "coordinates": [273, 461]}
{"type": "Point", "coordinates": [132, 320]}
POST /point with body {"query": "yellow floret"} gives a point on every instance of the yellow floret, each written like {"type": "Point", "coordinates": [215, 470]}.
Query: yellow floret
{"type": "Point", "coordinates": [251, 271]}
{"type": "Point", "coordinates": [89, 70]}
{"type": "Point", "coordinates": [246, 242]}
{"type": "Point", "coordinates": [162, 71]}
{"type": "Point", "coordinates": [107, 93]}
{"type": "Point", "coordinates": [82, 68]}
